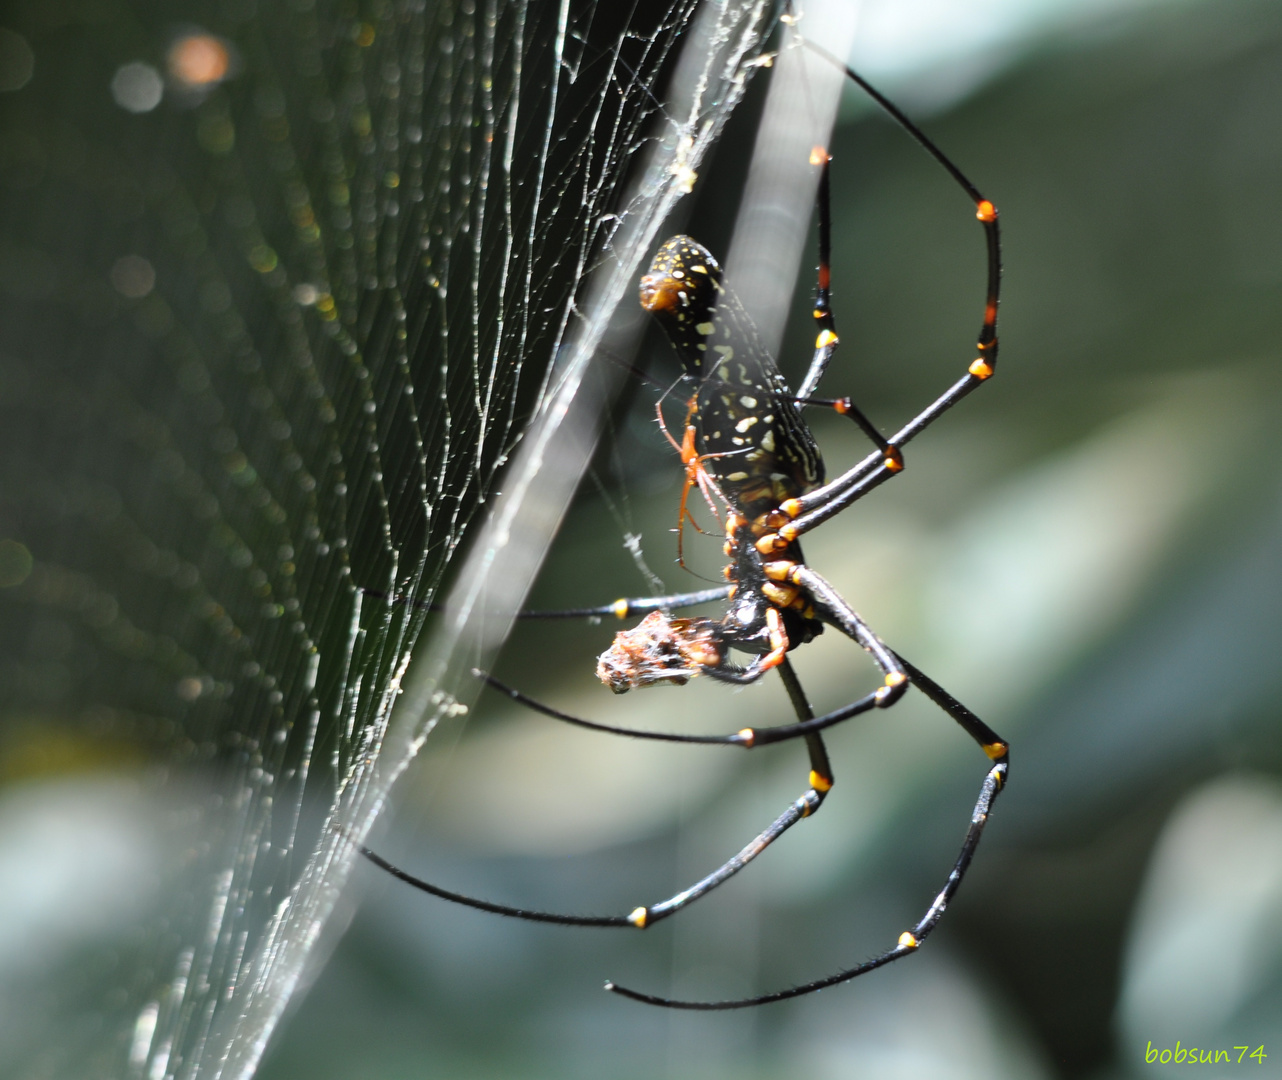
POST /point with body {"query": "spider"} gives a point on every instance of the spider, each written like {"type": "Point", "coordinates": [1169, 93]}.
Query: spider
{"type": "Point", "coordinates": [747, 448]}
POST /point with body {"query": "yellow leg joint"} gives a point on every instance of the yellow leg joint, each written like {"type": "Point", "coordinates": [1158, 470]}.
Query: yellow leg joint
{"type": "Point", "coordinates": [890, 690]}
{"type": "Point", "coordinates": [621, 609]}
{"type": "Point", "coordinates": [781, 595]}
{"type": "Point", "coordinates": [985, 211]}
{"type": "Point", "coordinates": [638, 918]}
{"type": "Point", "coordinates": [748, 735]}
{"type": "Point", "coordinates": [771, 544]}
{"type": "Point", "coordinates": [981, 368]}
{"type": "Point", "coordinates": [908, 940]}
{"type": "Point", "coordinates": [825, 338]}
{"type": "Point", "coordinates": [996, 750]}
{"type": "Point", "coordinates": [820, 783]}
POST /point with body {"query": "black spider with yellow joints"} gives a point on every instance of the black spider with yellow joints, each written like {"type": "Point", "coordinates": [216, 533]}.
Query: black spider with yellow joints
{"type": "Point", "coordinates": [748, 449]}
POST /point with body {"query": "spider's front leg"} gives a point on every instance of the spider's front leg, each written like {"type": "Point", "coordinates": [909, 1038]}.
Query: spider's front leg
{"type": "Point", "coordinates": [813, 507]}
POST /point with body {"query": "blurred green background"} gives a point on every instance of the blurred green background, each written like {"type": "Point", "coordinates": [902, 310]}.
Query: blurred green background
{"type": "Point", "coordinates": [1086, 553]}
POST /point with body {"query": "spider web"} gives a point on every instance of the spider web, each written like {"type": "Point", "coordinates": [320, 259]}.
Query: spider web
{"type": "Point", "coordinates": [270, 345]}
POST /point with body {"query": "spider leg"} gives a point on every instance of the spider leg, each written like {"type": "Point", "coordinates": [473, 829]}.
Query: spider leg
{"type": "Point", "coordinates": [745, 737]}
{"type": "Point", "coordinates": [829, 605]}
{"type": "Point", "coordinates": [620, 609]}
{"type": "Point", "coordinates": [821, 781]}
{"type": "Point", "coordinates": [846, 407]}
{"type": "Point", "coordinates": [728, 672]}
{"type": "Point", "coordinates": [826, 339]}
{"type": "Point", "coordinates": [625, 607]}
{"type": "Point", "coordinates": [817, 506]}
{"type": "Point", "coordinates": [486, 905]}
{"type": "Point", "coordinates": [695, 474]}
{"type": "Point", "coordinates": [832, 608]}
{"type": "Point", "coordinates": [994, 780]}
{"type": "Point", "coordinates": [983, 367]}
{"type": "Point", "coordinates": [826, 331]}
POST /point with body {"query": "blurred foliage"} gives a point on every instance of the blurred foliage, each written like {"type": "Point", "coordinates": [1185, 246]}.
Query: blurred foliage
{"type": "Point", "coordinates": [1085, 553]}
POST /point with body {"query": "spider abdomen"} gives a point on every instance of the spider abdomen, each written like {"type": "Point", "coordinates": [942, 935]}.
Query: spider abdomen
{"type": "Point", "coordinates": [750, 433]}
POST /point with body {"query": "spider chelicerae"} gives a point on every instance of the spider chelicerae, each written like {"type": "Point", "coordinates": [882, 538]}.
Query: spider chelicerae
{"type": "Point", "coordinates": [749, 452]}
